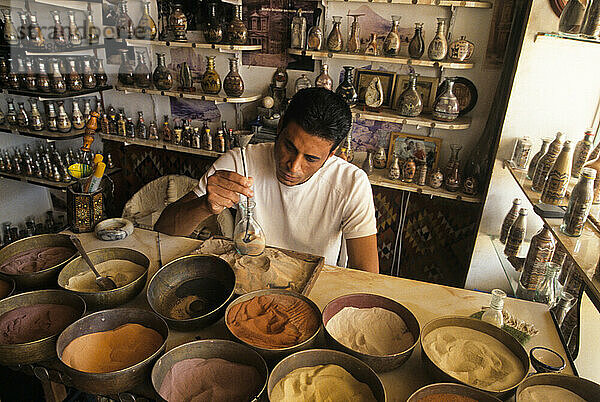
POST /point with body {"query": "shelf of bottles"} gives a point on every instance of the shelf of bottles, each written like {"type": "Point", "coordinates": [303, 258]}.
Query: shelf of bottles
{"type": "Point", "coordinates": [158, 144]}
{"type": "Point", "coordinates": [58, 51]}
{"type": "Point", "coordinates": [67, 94]}
{"type": "Point", "coordinates": [43, 134]}
{"type": "Point", "coordinates": [191, 95]}
{"type": "Point", "coordinates": [196, 45]}
{"type": "Point", "coordinates": [324, 54]}
{"type": "Point", "coordinates": [447, 3]}
{"type": "Point", "coordinates": [583, 250]}
{"type": "Point", "coordinates": [388, 115]}
{"type": "Point", "coordinates": [57, 185]}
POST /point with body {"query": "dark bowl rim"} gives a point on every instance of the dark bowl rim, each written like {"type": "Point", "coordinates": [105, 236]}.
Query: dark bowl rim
{"type": "Point", "coordinates": [546, 366]}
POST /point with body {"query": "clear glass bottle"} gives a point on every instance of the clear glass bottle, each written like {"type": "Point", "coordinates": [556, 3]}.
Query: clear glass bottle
{"type": "Point", "coordinates": [10, 34]}
{"type": "Point", "coordinates": [548, 289]}
{"type": "Point", "coordinates": [546, 162]}
{"type": "Point", "coordinates": [196, 138]}
{"type": "Point", "coordinates": [438, 47]}
{"type": "Point", "coordinates": [57, 82]}
{"type": "Point", "coordinates": [88, 77]}
{"type": "Point", "coordinates": [22, 117]}
{"type": "Point", "coordinates": [30, 78]}
{"type": "Point", "coordinates": [43, 81]}
{"type": "Point", "coordinates": [394, 171]}
{"type": "Point", "coordinates": [580, 204]}
{"type": "Point", "coordinates": [121, 125]}
{"type": "Point", "coordinates": [248, 236]}
{"type": "Point", "coordinates": [372, 48]}
{"type": "Point", "coordinates": [315, 34]}
{"type": "Point", "coordinates": [445, 107]}
{"type": "Point", "coordinates": [36, 118]}
{"type": "Point", "coordinates": [23, 29]}
{"type": "Point", "coordinates": [536, 158]}
{"type": "Point", "coordinates": [126, 76]}
{"type": "Point", "coordinates": [51, 117]}
{"type": "Point", "coordinates": [214, 29]}
{"type": "Point", "coordinates": [141, 73]}
{"type": "Point", "coordinates": [14, 81]}
{"type": "Point", "coordinates": [152, 132]}
{"type": "Point", "coordinates": [391, 44]}
{"type": "Point", "coordinates": [162, 77]}
{"type": "Point", "coordinates": [563, 306]}
{"type": "Point", "coordinates": [87, 110]}
{"type": "Point", "coordinates": [36, 37]}
{"type": "Point", "coordinates": [493, 314]}
{"type": "Point", "coordinates": [146, 28]}
{"type": "Point", "coordinates": [4, 69]}
{"type": "Point", "coordinates": [416, 47]}
{"type": "Point", "coordinates": [141, 131]}
{"type": "Point", "coordinates": [571, 17]}
{"type": "Point", "coordinates": [64, 123]}
{"type": "Point", "coordinates": [324, 79]}
{"type": "Point", "coordinates": [78, 121]}
{"type": "Point", "coordinates": [92, 33]}
{"type": "Point", "coordinates": [75, 38]}
{"type": "Point", "coordinates": [58, 33]}
{"type": "Point", "coordinates": [11, 114]}
{"type": "Point", "coordinates": [541, 251]}
{"type": "Point", "coordinates": [101, 77]}
{"type": "Point", "coordinates": [335, 41]}
{"type": "Point", "coordinates": [556, 185]}
{"type": "Point", "coordinates": [590, 26]}
{"type": "Point", "coordinates": [74, 82]}
{"type": "Point", "coordinates": [354, 40]}
{"type": "Point", "coordinates": [237, 33]}
{"type": "Point", "coordinates": [129, 128]}
{"type": "Point", "coordinates": [298, 31]}
{"type": "Point", "coordinates": [452, 176]}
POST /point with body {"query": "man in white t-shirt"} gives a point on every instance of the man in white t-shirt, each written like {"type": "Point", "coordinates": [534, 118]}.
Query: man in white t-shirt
{"type": "Point", "coordinates": [307, 199]}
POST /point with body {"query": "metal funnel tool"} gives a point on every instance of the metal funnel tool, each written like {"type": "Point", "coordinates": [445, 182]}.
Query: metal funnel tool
{"type": "Point", "coordinates": [243, 137]}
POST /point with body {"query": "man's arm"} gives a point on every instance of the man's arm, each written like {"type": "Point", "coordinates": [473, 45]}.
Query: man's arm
{"type": "Point", "coordinates": [362, 253]}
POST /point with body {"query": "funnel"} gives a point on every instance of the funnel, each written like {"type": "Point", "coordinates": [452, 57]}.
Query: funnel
{"type": "Point", "coordinates": [243, 137]}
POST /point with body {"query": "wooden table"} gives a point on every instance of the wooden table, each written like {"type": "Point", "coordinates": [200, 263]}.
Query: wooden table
{"type": "Point", "coordinates": [427, 301]}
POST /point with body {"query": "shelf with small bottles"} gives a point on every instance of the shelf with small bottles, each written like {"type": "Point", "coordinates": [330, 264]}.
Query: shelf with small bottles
{"type": "Point", "coordinates": [57, 185]}
{"type": "Point", "coordinates": [425, 120]}
{"type": "Point", "coordinates": [67, 94]}
{"type": "Point", "coordinates": [583, 249]}
{"type": "Point", "coordinates": [158, 144]}
{"type": "Point", "coordinates": [63, 51]}
{"type": "Point", "coordinates": [191, 95]}
{"type": "Point", "coordinates": [43, 134]}
{"type": "Point", "coordinates": [446, 3]}
{"type": "Point", "coordinates": [223, 47]}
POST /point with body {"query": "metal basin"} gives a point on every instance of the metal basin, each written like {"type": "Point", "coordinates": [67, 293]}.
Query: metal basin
{"type": "Point", "coordinates": [211, 348]}
{"type": "Point", "coordinates": [42, 349]}
{"type": "Point", "coordinates": [118, 381]}
{"type": "Point", "coordinates": [588, 390]}
{"type": "Point", "coordinates": [42, 279]}
{"type": "Point", "coordinates": [274, 355]}
{"type": "Point", "coordinates": [205, 269]}
{"type": "Point", "coordinates": [11, 287]}
{"type": "Point", "coordinates": [314, 357]}
{"type": "Point", "coordinates": [366, 300]}
{"type": "Point", "coordinates": [107, 298]}
{"type": "Point", "coordinates": [502, 336]}
{"type": "Point", "coordinates": [450, 388]}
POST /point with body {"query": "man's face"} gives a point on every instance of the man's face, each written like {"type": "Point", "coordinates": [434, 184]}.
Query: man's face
{"type": "Point", "coordinates": [298, 154]}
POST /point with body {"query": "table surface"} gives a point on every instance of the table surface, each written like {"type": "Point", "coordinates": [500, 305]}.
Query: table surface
{"type": "Point", "coordinates": [427, 301]}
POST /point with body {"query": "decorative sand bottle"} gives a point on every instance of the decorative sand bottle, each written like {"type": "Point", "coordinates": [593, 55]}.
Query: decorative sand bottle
{"type": "Point", "coordinates": [438, 47]}
{"type": "Point", "coordinates": [125, 75]}
{"type": "Point", "coordinates": [411, 104]}
{"type": "Point", "coordinates": [536, 158]}
{"type": "Point", "coordinates": [541, 251]}
{"type": "Point", "coordinates": [162, 77]}
{"type": "Point", "coordinates": [237, 32]}
{"type": "Point", "coordinates": [248, 237]}
{"type": "Point", "coordinates": [558, 178]}
{"type": "Point", "coordinates": [233, 83]}
{"type": "Point", "coordinates": [595, 164]}
{"type": "Point", "coordinates": [346, 88]}
{"type": "Point", "coordinates": [416, 47]}
{"type": "Point", "coordinates": [146, 28]}
{"type": "Point", "coordinates": [581, 153]}
{"type": "Point", "coordinates": [210, 81]}
{"type": "Point", "coordinates": [391, 43]}
{"type": "Point", "coordinates": [315, 34]}
{"type": "Point", "coordinates": [546, 162]}
{"type": "Point", "coordinates": [516, 235]}
{"type": "Point", "coordinates": [445, 107]}
{"type": "Point", "coordinates": [324, 80]}
{"type": "Point", "coordinates": [354, 40]}
{"type": "Point", "coordinates": [298, 31]}
{"type": "Point", "coordinates": [141, 73]}
{"type": "Point", "coordinates": [335, 42]}
{"type": "Point", "coordinates": [580, 204]}
{"type": "Point", "coordinates": [213, 33]}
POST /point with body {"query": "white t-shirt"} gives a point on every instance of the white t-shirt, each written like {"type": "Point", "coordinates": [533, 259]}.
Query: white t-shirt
{"type": "Point", "coordinates": [310, 217]}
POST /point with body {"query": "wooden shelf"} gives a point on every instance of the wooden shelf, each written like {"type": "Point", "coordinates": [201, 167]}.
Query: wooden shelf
{"type": "Point", "coordinates": [43, 96]}
{"type": "Point", "coordinates": [44, 134]}
{"type": "Point", "coordinates": [560, 35]}
{"type": "Point", "coordinates": [57, 185]}
{"type": "Point", "coordinates": [447, 3]}
{"type": "Point", "coordinates": [160, 145]}
{"type": "Point", "coordinates": [223, 47]}
{"type": "Point", "coordinates": [62, 51]}
{"type": "Point", "coordinates": [321, 54]}
{"type": "Point", "coordinates": [584, 250]}
{"type": "Point", "coordinates": [191, 95]}
{"type": "Point", "coordinates": [460, 123]}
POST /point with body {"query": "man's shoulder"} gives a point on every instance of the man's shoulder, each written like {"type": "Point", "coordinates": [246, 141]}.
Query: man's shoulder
{"type": "Point", "coordinates": [344, 176]}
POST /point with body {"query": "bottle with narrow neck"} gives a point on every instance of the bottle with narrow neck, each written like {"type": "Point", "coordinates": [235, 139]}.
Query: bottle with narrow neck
{"type": "Point", "coordinates": [58, 33]}
{"type": "Point", "coordinates": [74, 34]}
{"type": "Point", "coordinates": [129, 128]}
{"type": "Point", "coordinates": [391, 44]}
{"type": "Point", "coordinates": [146, 28]}
{"type": "Point", "coordinates": [141, 131]}
{"type": "Point", "coordinates": [121, 125]}
{"type": "Point", "coordinates": [438, 48]}
{"type": "Point", "coordinates": [24, 28]}
{"type": "Point", "coordinates": [36, 118]}
{"type": "Point", "coordinates": [126, 75]}
{"type": "Point", "coordinates": [536, 158]}
{"type": "Point", "coordinates": [558, 178]}
{"type": "Point", "coordinates": [516, 235]}
{"type": "Point", "coordinates": [92, 33]}
{"type": "Point", "coordinates": [11, 114]}
{"type": "Point", "coordinates": [165, 132]}
{"type": "Point", "coordinates": [22, 117]}
{"type": "Point", "coordinates": [10, 34]}
{"type": "Point", "coordinates": [548, 289]}
{"type": "Point", "coordinates": [324, 80]}
{"type": "Point", "coordinates": [88, 77]}
{"type": "Point", "coordinates": [87, 110]}
{"type": "Point", "coordinates": [43, 81]}
{"type": "Point", "coordinates": [416, 47]}
{"type": "Point", "coordinates": [298, 31]}
{"type": "Point", "coordinates": [78, 120]}
{"type": "Point", "coordinates": [354, 40]}
{"type": "Point", "coordinates": [101, 77]}
{"type": "Point", "coordinates": [36, 37]}
{"type": "Point", "coordinates": [546, 162]}
{"type": "Point", "coordinates": [541, 251]}
{"type": "Point", "coordinates": [30, 78]}
{"type": "Point", "coordinates": [581, 153]}
{"type": "Point", "coordinates": [493, 314]}
{"type": "Point", "coordinates": [57, 81]}
{"type": "Point", "coordinates": [315, 34]}
{"type": "Point", "coordinates": [74, 82]}
{"type": "Point", "coordinates": [124, 23]}
{"type": "Point", "coordinates": [214, 29]}
{"type": "Point", "coordinates": [162, 77]}
{"type": "Point", "coordinates": [51, 117]}
{"type": "Point", "coordinates": [335, 41]}
{"type": "Point", "coordinates": [580, 204]}
{"type": "Point", "coordinates": [142, 73]}
{"type": "Point", "coordinates": [233, 84]}
{"type": "Point", "coordinates": [14, 81]}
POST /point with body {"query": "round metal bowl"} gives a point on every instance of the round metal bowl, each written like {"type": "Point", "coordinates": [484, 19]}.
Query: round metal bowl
{"type": "Point", "coordinates": [207, 349]}
{"type": "Point", "coordinates": [45, 277]}
{"type": "Point", "coordinates": [11, 287]}
{"type": "Point", "coordinates": [450, 388]}
{"type": "Point", "coordinates": [161, 292]}
{"type": "Point", "coordinates": [366, 300]}
{"type": "Point", "coordinates": [106, 298]}
{"type": "Point", "coordinates": [499, 334]}
{"type": "Point", "coordinates": [273, 355]}
{"type": "Point", "coordinates": [314, 357]}
{"type": "Point", "coordinates": [118, 381]}
{"type": "Point", "coordinates": [42, 349]}
{"type": "Point", "coordinates": [588, 390]}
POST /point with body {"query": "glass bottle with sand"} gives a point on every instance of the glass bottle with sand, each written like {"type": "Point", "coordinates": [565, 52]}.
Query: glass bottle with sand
{"type": "Point", "coordinates": [248, 236]}
{"type": "Point", "coordinates": [493, 314]}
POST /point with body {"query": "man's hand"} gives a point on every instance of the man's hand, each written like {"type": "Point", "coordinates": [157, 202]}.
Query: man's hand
{"type": "Point", "coordinates": [223, 190]}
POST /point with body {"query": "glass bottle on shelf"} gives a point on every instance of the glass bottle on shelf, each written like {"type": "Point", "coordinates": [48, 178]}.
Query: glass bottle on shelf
{"type": "Point", "coordinates": [438, 47]}
{"type": "Point", "coordinates": [87, 109]}
{"type": "Point", "coordinates": [346, 88]}
{"type": "Point", "coordinates": [509, 219]}
{"type": "Point", "coordinates": [58, 33]}
{"type": "Point", "coordinates": [213, 33]}
{"type": "Point", "coordinates": [22, 117]}
{"type": "Point", "coordinates": [210, 81]}
{"type": "Point", "coordinates": [125, 75]}
{"type": "Point", "coordinates": [380, 158]}
{"type": "Point", "coordinates": [416, 47]}
{"type": "Point", "coordinates": [391, 43]}
{"type": "Point", "coordinates": [452, 176]}
{"type": "Point", "coordinates": [89, 79]}
{"type": "Point", "coordinates": [237, 33]}
{"type": "Point", "coordinates": [372, 49]}
{"type": "Point", "coordinates": [11, 114]}
{"type": "Point", "coordinates": [563, 306]}
{"type": "Point", "coordinates": [30, 78]}
{"type": "Point", "coordinates": [314, 39]}
{"type": "Point", "coordinates": [92, 33]}
{"type": "Point", "coordinates": [121, 125]}
{"type": "Point", "coordinates": [541, 251]}
{"type": "Point", "coordinates": [536, 158]}
{"type": "Point", "coordinates": [21, 73]}
{"type": "Point", "coordinates": [324, 80]}
{"type": "Point", "coordinates": [105, 124]}
{"type": "Point", "coordinates": [141, 131]}
{"type": "Point", "coordinates": [590, 26]}
{"type": "Point", "coordinates": [445, 107]}
{"type": "Point", "coordinates": [64, 123]}
{"type": "Point", "coordinates": [24, 28]}
{"type": "Point", "coordinates": [13, 75]}
{"type": "Point", "coordinates": [36, 37]}
{"type": "Point", "coordinates": [36, 118]}
{"type": "Point", "coordinates": [580, 204]}
{"type": "Point", "coordinates": [57, 82]}
{"type": "Point", "coordinates": [101, 77]}
{"type": "Point", "coordinates": [581, 153]}
{"type": "Point", "coordinates": [548, 288]}
{"type": "Point", "coordinates": [124, 23]}
{"type": "Point", "coordinates": [206, 139]}
{"type": "Point", "coordinates": [493, 314]}
{"type": "Point", "coordinates": [335, 41]}
{"type": "Point", "coordinates": [162, 77]}
{"type": "Point", "coordinates": [571, 17]}
{"type": "Point", "coordinates": [51, 117]}
{"type": "Point", "coordinates": [301, 83]}
{"type": "Point", "coordinates": [74, 34]}
{"type": "Point", "coordinates": [233, 83]}
{"type": "Point", "coordinates": [2, 118]}
{"type": "Point", "coordinates": [165, 131]}
{"type": "Point", "coordinates": [152, 131]}
{"type": "Point", "coordinates": [354, 40]}
{"type": "Point", "coordinates": [394, 171]}
{"type": "Point", "coordinates": [298, 31]}
{"type": "Point", "coordinates": [10, 34]}
{"type": "Point", "coordinates": [146, 28]}
{"type": "Point", "coordinates": [43, 81]}
{"type": "Point", "coordinates": [74, 82]}
{"type": "Point", "coordinates": [545, 164]}
{"type": "Point", "coordinates": [142, 72]}
{"type": "Point", "coordinates": [367, 164]}
{"type": "Point", "coordinates": [595, 164]}
{"type": "Point", "coordinates": [248, 236]}
{"type": "Point", "coordinates": [178, 24]}
{"type": "Point", "coordinates": [77, 117]}
{"type": "Point", "coordinates": [516, 235]}
{"type": "Point", "coordinates": [129, 128]}
{"type": "Point", "coordinates": [558, 178]}
{"type": "Point", "coordinates": [410, 101]}
{"type": "Point", "coordinates": [4, 70]}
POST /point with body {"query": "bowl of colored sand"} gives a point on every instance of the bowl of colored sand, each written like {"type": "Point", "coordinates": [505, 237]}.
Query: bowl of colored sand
{"type": "Point", "coordinates": [449, 392]}
{"type": "Point", "coordinates": [127, 268]}
{"type": "Point", "coordinates": [473, 353]}
{"type": "Point", "coordinates": [191, 292]}
{"type": "Point", "coordinates": [329, 374]}
{"type": "Point", "coordinates": [111, 351]}
{"type": "Point", "coordinates": [379, 331]}
{"type": "Point", "coordinates": [34, 262]}
{"type": "Point", "coordinates": [225, 370]}
{"type": "Point", "coordinates": [31, 322]}
{"type": "Point", "coordinates": [557, 387]}
{"type": "Point", "coordinates": [274, 322]}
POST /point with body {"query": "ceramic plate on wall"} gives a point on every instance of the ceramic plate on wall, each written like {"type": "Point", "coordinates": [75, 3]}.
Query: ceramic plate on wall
{"type": "Point", "coordinates": [465, 91]}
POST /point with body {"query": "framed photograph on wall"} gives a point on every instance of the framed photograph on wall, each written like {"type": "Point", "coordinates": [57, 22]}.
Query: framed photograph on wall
{"type": "Point", "coordinates": [426, 87]}
{"type": "Point", "coordinates": [363, 79]}
{"type": "Point", "coordinates": [422, 149]}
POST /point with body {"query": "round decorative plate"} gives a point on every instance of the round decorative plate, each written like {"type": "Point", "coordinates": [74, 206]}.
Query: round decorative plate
{"type": "Point", "coordinates": [465, 92]}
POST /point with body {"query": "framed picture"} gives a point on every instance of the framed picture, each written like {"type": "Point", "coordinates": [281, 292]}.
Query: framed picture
{"type": "Point", "coordinates": [422, 149]}
{"type": "Point", "coordinates": [426, 87]}
{"type": "Point", "coordinates": [363, 79]}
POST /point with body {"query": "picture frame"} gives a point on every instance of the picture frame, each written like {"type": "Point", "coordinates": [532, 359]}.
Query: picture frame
{"type": "Point", "coordinates": [363, 79]}
{"type": "Point", "coordinates": [426, 87]}
{"type": "Point", "coordinates": [419, 147]}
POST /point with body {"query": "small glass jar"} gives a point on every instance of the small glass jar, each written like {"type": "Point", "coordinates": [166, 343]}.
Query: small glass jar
{"type": "Point", "coordinates": [549, 288]}
{"type": "Point", "coordinates": [249, 238]}
{"type": "Point", "coordinates": [493, 314]}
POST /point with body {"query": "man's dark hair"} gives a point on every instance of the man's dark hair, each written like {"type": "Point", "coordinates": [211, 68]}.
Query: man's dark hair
{"type": "Point", "coordinates": [320, 112]}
